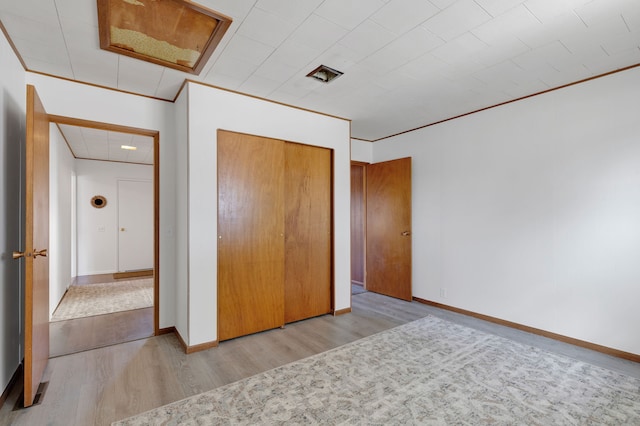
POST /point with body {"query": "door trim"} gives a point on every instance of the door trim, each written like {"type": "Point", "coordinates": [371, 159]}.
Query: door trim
{"type": "Point", "coordinates": [155, 134]}
{"type": "Point", "coordinates": [363, 166]}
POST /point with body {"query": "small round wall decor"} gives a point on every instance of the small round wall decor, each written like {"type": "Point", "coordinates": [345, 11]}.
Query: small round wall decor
{"type": "Point", "coordinates": [98, 201]}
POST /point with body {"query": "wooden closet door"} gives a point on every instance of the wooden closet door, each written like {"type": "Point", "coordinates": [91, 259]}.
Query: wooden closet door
{"type": "Point", "coordinates": [307, 231]}
{"type": "Point", "coordinates": [251, 234]}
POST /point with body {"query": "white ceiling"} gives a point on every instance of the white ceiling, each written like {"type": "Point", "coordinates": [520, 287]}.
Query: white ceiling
{"type": "Point", "coordinates": [95, 144]}
{"type": "Point", "coordinates": [406, 63]}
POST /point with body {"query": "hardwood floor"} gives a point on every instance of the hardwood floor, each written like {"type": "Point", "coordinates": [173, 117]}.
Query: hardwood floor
{"type": "Point", "coordinates": [110, 383]}
{"type": "Point", "coordinates": [81, 334]}
{"type": "Point", "coordinates": [94, 279]}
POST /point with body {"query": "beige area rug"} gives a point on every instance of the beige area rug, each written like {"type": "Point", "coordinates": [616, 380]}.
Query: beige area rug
{"type": "Point", "coordinates": [97, 299]}
{"type": "Point", "coordinates": [428, 372]}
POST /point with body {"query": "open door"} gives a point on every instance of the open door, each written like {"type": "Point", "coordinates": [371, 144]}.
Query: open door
{"type": "Point", "coordinates": [388, 225]}
{"type": "Point", "coordinates": [36, 263]}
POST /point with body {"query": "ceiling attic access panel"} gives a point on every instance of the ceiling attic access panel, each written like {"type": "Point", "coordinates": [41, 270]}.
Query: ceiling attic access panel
{"type": "Point", "coordinates": [177, 34]}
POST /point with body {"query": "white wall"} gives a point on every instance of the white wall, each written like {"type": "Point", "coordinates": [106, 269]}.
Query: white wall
{"type": "Point", "coordinates": [182, 216]}
{"type": "Point", "coordinates": [530, 211]}
{"type": "Point", "coordinates": [66, 98]}
{"type": "Point", "coordinates": [61, 243]}
{"type": "Point", "coordinates": [12, 139]}
{"type": "Point", "coordinates": [12, 135]}
{"type": "Point", "coordinates": [211, 109]}
{"type": "Point", "coordinates": [361, 151]}
{"type": "Point", "coordinates": [97, 229]}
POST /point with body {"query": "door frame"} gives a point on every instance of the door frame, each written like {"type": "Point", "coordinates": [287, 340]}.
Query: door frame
{"type": "Point", "coordinates": [363, 165]}
{"type": "Point", "coordinates": [156, 194]}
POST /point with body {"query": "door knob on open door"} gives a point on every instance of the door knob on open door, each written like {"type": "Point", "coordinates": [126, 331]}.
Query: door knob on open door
{"type": "Point", "coordinates": [18, 254]}
{"type": "Point", "coordinates": [406, 233]}
{"type": "Point", "coordinates": [42, 253]}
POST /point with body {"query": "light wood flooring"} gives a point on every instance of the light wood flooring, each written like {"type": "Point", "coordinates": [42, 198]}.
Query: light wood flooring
{"type": "Point", "coordinates": [81, 334]}
{"type": "Point", "coordinates": [103, 385]}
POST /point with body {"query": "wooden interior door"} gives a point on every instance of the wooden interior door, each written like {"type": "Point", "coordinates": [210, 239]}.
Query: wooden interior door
{"type": "Point", "coordinates": [308, 209]}
{"type": "Point", "coordinates": [250, 234]}
{"type": "Point", "coordinates": [389, 228]}
{"type": "Point", "coordinates": [36, 347]}
{"type": "Point", "coordinates": [358, 209]}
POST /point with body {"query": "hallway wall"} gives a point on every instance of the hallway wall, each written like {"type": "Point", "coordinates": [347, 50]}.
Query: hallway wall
{"type": "Point", "coordinates": [98, 228]}
{"type": "Point", "coordinates": [12, 138]}
{"type": "Point", "coordinates": [61, 211]}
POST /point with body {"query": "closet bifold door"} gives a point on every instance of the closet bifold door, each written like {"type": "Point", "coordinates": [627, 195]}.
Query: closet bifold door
{"type": "Point", "coordinates": [308, 239]}
{"type": "Point", "coordinates": [250, 234]}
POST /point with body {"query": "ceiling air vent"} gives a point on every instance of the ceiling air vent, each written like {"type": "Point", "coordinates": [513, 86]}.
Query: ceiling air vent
{"type": "Point", "coordinates": [324, 74]}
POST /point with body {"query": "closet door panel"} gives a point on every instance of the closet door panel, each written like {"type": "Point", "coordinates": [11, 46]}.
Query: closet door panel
{"type": "Point", "coordinates": [307, 231]}
{"type": "Point", "coordinates": [250, 234]}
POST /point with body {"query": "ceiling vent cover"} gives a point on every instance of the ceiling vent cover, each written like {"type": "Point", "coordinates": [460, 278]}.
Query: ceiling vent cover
{"type": "Point", "coordinates": [324, 74]}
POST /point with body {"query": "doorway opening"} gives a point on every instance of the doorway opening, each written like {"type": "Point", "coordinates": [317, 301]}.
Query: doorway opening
{"type": "Point", "coordinates": [381, 228]}
{"type": "Point", "coordinates": [112, 293]}
{"type": "Point", "coordinates": [358, 226]}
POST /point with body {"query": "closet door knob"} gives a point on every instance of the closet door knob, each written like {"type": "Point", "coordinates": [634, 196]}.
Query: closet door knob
{"type": "Point", "coordinates": [42, 253]}
{"type": "Point", "coordinates": [406, 234]}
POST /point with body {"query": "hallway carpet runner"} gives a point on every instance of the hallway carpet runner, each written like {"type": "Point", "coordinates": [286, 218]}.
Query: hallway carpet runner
{"type": "Point", "coordinates": [97, 299]}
